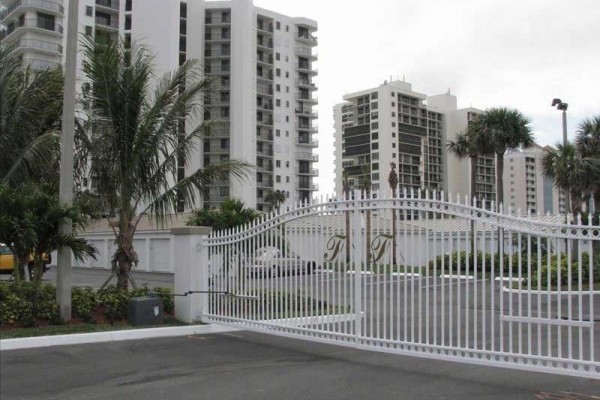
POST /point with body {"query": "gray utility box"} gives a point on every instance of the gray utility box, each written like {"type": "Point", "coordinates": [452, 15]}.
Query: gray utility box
{"type": "Point", "coordinates": [145, 311]}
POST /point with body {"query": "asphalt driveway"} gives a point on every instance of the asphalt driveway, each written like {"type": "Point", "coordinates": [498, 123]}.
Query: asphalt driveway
{"type": "Point", "coordinates": [245, 365]}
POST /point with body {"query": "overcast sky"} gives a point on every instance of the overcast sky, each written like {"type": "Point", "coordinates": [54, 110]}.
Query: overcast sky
{"type": "Point", "coordinates": [517, 53]}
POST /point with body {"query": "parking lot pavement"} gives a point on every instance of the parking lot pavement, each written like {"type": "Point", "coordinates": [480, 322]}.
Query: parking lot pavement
{"type": "Point", "coordinates": [246, 365]}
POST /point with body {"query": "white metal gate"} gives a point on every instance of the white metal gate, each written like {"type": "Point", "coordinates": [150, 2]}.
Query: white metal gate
{"type": "Point", "coordinates": [417, 274]}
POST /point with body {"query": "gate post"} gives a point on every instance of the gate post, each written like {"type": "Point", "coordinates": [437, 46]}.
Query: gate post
{"type": "Point", "coordinates": [191, 272]}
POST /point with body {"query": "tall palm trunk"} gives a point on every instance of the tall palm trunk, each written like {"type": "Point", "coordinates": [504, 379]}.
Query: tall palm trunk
{"type": "Point", "coordinates": [394, 236]}
{"type": "Point", "coordinates": [125, 255]}
{"type": "Point", "coordinates": [500, 199]}
{"type": "Point", "coordinates": [473, 194]}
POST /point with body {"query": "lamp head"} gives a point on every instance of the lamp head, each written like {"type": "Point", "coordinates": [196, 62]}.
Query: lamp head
{"type": "Point", "coordinates": [555, 102]}
{"type": "Point", "coordinates": [563, 106]}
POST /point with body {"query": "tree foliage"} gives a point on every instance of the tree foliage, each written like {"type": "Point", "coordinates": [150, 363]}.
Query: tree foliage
{"type": "Point", "coordinates": [230, 214]}
{"type": "Point", "coordinates": [142, 128]}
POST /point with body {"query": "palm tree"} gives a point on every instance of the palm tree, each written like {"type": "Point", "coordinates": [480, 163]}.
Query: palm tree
{"type": "Point", "coordinates": [571, 172]}
{"type": "Point", "coordinates": [467, 144]}
{"type": "Point", "coordinates": [504, 129]}
{"type": "Point", "coordinates": [137, 140]}
{"type": "Point", "coordinates": [30, 119]}
{"type": "Point", "coordinates": [275, 198]}
{"type": "Point", "coordinates": [393, 182]}
{"type": "Point", "coordinates": [366, 186]}
{"type": "Point", "coordinates": [588, 145]}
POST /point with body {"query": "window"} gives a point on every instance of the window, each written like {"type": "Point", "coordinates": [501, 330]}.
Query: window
{"type": "Point", "coordinates": [277, 132]}
{"type": "Point", "coordinates": [287, 104]}
{"type": "Point", "coordinates": [224, 143]}
{"type": "Point", "coordinates": [128, 22]}
{"type": "Point", "coordinates": [287, 133]}
{"type": "Point", "coordinates": [183, 10]}
{"type": "Point", "coordinates": [393, 134]}
{"type": "Point", "coordinates": [277, 56]}
{"type": "Point", "coordinates": [374, 115]}
{"type": "Point", "coordinates": [278, 25]}
{"type": "Point", "coordinates": [89, 31]}
{"type": "Point", "coordinates": [393, 124]}
{"type": "Point", "coordinates": [375, 146]}
{"type": "Point", "coordinates": [393, 94]}
{"type": "Point", "coordinates": [287, 28]}
{"type": "Point", "coordinates": [89, 11]}
{"type": "Point", "coordinates": [287, 89]}
{"type": "Point", "coordinates": [129, 6]}
{"type": "Point", "coordinates": [278, 178]}
{"type": "Point", "coordinates": [225, 112]}
{"type": "Point", "coordinates": [374, 106]}
{"type": "Point", "coordinates": [278, 87]}
{"type": "Point", "coordinates": [278, 72]}
{"type": "Point", "coordinates": [287, 118]}
{"type": "Point", "coordinates": [393, 145]}
{"type": "Point", "coordinates": [374, 95]}
{"type": "Point", "coordinates": [375, 135]}
{"type": "Point", "coordinates": [375, 125]}
{"type": "Point", "coordinates": [287, 59]}
{"type": "Point", "coordinates": [278, 103]}
{"type": "Point", "coordinates": [375, 166]}
{"type": "Point", "coordinates": [287, 74]}
{"type": "Point", "coordinates": [287, 164]}
{"type": "Point", "coordinates": [278, 163]}
{"type": "Point", "coordinates": [287, 179]}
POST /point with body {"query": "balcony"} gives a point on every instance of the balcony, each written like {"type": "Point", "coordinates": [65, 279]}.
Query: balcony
{"type": "Point", "coordinates": [266, 167]}
{"type": "Point", "coordinates": [266, 45]}
{"type": "Point", "coordinates": [307, 112]}
{"type": "Point", "coordinates": [265, 91]}
{"type": "Point", "coordinates": [307, 156]}
{"type": "Point", "coordinates": [41, 45]}
{"type": "Point", "coordinates": [306, 83]}
{"type": "Point", "coordinates": [217, 53]}
{"type": "Point", "coordinates": [307, 38]}
{"type": "Point", "coordinates": [265, 152]}
{"type": "Point", "coordinates": [306, 98]}
{"type": "Point", "coordinates": [217, 20]}
{"type": "Point", "coordinates": [264, 136]}
{"type": "Point", "coordinates": [265, 184]}
{"type": "Point", "coordinates": [265, 77]}
{"type": "Point", "coordinates": [306, 68]}
{"type": "Point", "coordinates": [35, 23]}
{"type": "Point", "coordinates": [265, 27]}
{"type": "Point", "coordinates": [307, 171]}
{"type": "Point", "coordinates": [111, 6]}
{"type": "Point", "coordinates": [313, 187]}
{"type": "Point", "coordinates": [216, 149]}
{"type": "Point", "coordinates": [217, 38]}
{"type": "Point", "coordinates": [305, 127]}
{"type": "Point", "coordinates": [307, 142]}
{"type": "Point", "coordinates": [41, 64]}
{"type": "Point", "coordinates": [266, 121]}
{"type": "Point", "coordinates": [304, 52]}
{"type": "Point", "coordinates": [107, 23]}
{"type": "Point", "coordinates": [268, 60]}
{"type": "Point", "coordinates": [45, 5]}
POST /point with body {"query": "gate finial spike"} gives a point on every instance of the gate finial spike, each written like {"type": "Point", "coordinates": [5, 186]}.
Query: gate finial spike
{"type": "Point", "coordinates": [579, 219]}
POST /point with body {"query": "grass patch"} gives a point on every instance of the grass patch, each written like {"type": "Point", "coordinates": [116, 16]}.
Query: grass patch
{"type": "Point", "coordinates": [7, 332]}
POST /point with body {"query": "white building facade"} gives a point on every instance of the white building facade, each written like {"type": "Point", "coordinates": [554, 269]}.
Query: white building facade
{"type": "Point", "coordinates": [261, 65]}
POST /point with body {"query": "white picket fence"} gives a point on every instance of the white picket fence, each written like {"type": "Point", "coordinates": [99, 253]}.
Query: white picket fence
{"type": "Point", "coordinates": [365, 272]}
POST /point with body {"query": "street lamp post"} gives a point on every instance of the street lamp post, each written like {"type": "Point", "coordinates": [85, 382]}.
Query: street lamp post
{"type": "Point", "coordinates": [563, 107]}
{"type": "Point", "coordinates": [63, 273]}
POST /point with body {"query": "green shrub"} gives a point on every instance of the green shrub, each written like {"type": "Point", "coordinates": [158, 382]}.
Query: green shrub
{"type": "Point", "coordinates": [26, 303]}
{"type": "Point", "coordinates": [83, 302]}
{"type": "Point", "coordinates": [167, 298]}
{"type": "Point", "coordinates": [114, 301]}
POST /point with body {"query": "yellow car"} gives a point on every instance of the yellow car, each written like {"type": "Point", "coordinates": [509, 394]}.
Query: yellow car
{"type": "Point", "coordinates": [7, 260]}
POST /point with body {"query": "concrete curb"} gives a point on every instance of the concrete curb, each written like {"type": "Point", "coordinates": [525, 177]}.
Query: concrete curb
{"type": "Point", "coordinates": [111, 336]}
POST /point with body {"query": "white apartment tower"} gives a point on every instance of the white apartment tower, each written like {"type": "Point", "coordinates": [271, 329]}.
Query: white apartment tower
{"type": "Point", "coordinates": [34, 29]}
{"type": "Point", "coordinates": [389, 124]}
{"type": "Point", "coordinates": [260, 63]}
{"type": "Point", "coordinates": [459, 170]}
{"type": "Point", "coordinates": [526, 189]}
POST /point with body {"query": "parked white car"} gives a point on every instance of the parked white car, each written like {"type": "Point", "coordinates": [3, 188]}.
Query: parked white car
{"type": "Point", "coordinates": [270, 261]}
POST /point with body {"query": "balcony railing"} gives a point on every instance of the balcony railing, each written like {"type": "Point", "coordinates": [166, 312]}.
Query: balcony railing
{"type": "Point", "coordinates": [41, 64]}
{"type": "Point", "coordinates": [307, 171]}
{"type": "Point", "coordinates": [265, 121]}
{"type": "Point", "coordinates": [305, 82]}
{"type": "Point", "coordinates": [307, 37]}
{"type": "Point", "coordinates": [264, 153]}
{"type": "Point", "coordinates": [305, 127]}
{"type": "Point", "coordinates": [307, 156]}
{"type": "Point", "coordinates": [112, 4]}
{"type": "Point", "coordinates": [302, 52]}
{"type": "Point", "coordinates": [36, 23]}
{"type": "Point", "coordinates": [107, 23]}
{"type": "Point", "coordinates": [36, 44]}
{"type": "Point", "coordinates": [307, 142]}
{"type": "Point", "coordinates": [265, 59]}
{"type": "Point", "coordinates": [265, 183]}
{"type": "Point", "coordinates": [217, 20]}
{"type": "Point", "coordinates": [303, 97]}
{"type": "Point", "coordinates": [265, 137]}
{"type": "Point", "coordinates": [265, 106]}
{"type": "Point", "coordinates": [265, 27]}
{"type": "Point", "coordinates": [217, 53]}
{"type": "Point", "coordinates": [41, 4]}
{"type": "Point", "coordinates": [305, 186]}
{"type": "Point", "coordinates": [307, 113]}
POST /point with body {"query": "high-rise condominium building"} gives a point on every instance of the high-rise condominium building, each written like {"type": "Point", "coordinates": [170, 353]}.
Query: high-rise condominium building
{"type": "Point", "coordinates": [389, 124]}
{"type": "Point", "coordinates": [459, 170]}
{"type": "Point", "coordinates": [260, 63]}
{"type": "Point", "coordinates": [526, 189]}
